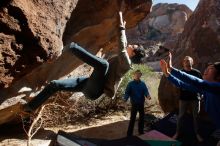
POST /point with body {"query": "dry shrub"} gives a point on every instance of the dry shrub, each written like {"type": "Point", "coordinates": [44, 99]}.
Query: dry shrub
{"type": "Point", "coordinates": [63, 110]}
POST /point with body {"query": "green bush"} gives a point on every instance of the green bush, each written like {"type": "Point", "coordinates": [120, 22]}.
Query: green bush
{"type": "Point", "coordinates": [146, 71]}
{"type": "Point", "coordinates": [152, 80]}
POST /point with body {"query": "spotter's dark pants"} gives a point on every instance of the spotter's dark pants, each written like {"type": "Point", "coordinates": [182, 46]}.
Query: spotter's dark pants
{"type": "Point", "coordinates": [134, 109]}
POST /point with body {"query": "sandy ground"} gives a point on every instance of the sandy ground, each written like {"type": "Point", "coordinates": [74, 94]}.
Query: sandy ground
{"type": "Point", "coordinates": [108, 127]}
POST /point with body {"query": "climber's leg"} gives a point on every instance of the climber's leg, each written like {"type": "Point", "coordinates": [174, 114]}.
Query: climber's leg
{"type": "Point", "coordinates": [87, 57]}
{"type": "Point", "coordinates": [75, 84]}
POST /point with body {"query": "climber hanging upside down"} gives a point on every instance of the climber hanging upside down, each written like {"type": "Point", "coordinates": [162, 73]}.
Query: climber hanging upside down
{"type": "Point", "coordinates": [105, 78]}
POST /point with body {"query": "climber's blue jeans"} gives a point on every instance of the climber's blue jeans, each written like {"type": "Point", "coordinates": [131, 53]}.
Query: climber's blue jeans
{"type": "Point", "coordinates": [92, 87]}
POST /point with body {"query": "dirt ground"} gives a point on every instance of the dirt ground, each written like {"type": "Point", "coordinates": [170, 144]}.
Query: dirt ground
{"type": "Point", "coordinates": [108, 127]}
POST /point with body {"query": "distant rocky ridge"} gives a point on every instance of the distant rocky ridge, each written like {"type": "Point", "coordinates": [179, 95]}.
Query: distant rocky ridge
{"type": "Point", "coordinates": [161, 27]}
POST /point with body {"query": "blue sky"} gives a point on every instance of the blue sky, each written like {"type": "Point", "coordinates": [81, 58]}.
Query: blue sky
{"type": "Point", "coordinates": [190, 3]}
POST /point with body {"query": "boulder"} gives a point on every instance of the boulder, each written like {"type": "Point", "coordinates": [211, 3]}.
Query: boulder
{"type": "Point", "coordinates": [164, 23]}
{"type": "Point", "coordinates": [34, 33]}
{"type": "Point", "coordinates": [160, 23]}
{"type": "Point", "coordinates": [31, 33]}
{"type": "Point", "coordinates": [161, 27]}
{"type": "Point", "coordinates": [200, 40]}
{"type": "Point", "coordinates": [178, 21]}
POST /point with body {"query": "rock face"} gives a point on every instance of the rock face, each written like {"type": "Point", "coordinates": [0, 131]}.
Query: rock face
{"type": "Point", "coordinates": [32, 33]}
{"type": "Point", "coordinates": [201, 40]}
{"type": "Point", "coordinates": [163, 24]}
{"type": "Point", "coordinates": [161, 27]}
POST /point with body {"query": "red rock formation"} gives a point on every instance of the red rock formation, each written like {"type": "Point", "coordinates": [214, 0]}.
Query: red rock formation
{"type": "Point", "coordinates": [201, 40]}
{"type": "Point", "coordinates": [92, 24]}
{"type": "Point", "coordinates": [31, 33]}
{"type": "Point", "coordinates": [162, 25]}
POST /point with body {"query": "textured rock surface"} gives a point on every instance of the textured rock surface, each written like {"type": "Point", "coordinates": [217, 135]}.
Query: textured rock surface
{"type": "Point", "coordinates": [161, 27]}
{"type": "Point", "coordinates": [31, 33]}
{"type": "Point", "coordinates": [92, 24]}
{"type": "Point", "coordinates": [201, 40]}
